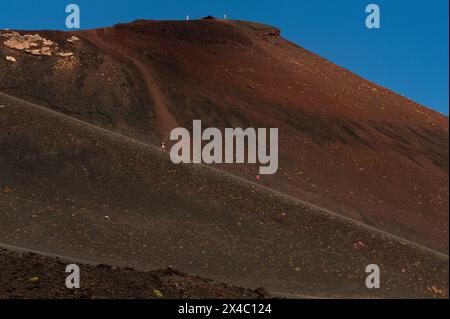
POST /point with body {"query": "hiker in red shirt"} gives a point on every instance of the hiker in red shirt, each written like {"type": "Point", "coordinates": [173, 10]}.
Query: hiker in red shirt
{"type": "Point", "coordinates": [258, 179]}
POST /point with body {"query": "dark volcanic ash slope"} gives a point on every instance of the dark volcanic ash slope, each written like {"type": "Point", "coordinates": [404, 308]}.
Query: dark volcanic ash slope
{"type": "Point", "coordinates": [83, 190]}
{"type": "Point", "coordinates": [77, 190]}
{"type": "Point", "coordinates": [345, 143]}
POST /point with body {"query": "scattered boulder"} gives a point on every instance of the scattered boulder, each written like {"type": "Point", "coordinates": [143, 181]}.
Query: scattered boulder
{"type": "Point", "coordinates": [73, 39]}
{"type": "Point", "coordinates": [157, 293]}
{"type": "Point", "coordinates": [262, 292]}
{"type": "Point", "coordinates": [47, 42]}
{"type": "Point", "coordinates": [34, 279]}
{"type": "Point", "coordinates": [435, 290]}
{"type": "Point", "coordinates": [17, 45]}
{"type": "Point", "coordinates": [11, 59]}
{"type": "Point", "coordinates": [275, 32]}
{"type": "Point", "coordinates": [65, 54]}
{"type": "Point", "coordinates": [42, 51]}
{"type": "Point", "coordinates": [359, 245]}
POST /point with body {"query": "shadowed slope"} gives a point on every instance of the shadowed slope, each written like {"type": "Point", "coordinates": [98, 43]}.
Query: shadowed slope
{"type": "Point", "coordinates": [60, 178]}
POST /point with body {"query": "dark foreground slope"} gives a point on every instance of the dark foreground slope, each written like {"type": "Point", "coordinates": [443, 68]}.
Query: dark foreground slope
{"type": "Point", "coordinates": [346, 144]}
{"type": "Point", "coordinates": [74, 189]}
{"type": "Point", "coordinates": [27, 275]}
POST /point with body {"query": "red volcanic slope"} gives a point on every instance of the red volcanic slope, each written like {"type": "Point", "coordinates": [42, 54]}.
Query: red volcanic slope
{"type": "Point", "coordinates": [345, 143]}
{"type": "Point", "coordinates": [82, 174]}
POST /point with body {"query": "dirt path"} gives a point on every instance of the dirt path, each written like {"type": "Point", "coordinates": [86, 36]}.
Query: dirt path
{"type": "Point", "coordinates": [165, 121]}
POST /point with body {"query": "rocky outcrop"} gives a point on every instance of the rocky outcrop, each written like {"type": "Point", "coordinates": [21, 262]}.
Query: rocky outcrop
{"type": "Point", "coordinates": [65, 54]}
{"type": "Point", "coordinates": [30, 43]}
{"type": "Point", "coordinates": [34, 44]}
{"type": "Point", "coordinates": [73, 39]}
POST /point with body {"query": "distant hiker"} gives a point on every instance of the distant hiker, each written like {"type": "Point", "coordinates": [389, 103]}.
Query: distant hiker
{"type": "Point", "coordinates": [163, 146]}
{"type": "Point", "coordinates": [258, 178]}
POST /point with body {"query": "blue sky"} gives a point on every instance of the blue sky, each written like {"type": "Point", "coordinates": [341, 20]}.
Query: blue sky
{"type": "Point", "coordinates": [409, 54]}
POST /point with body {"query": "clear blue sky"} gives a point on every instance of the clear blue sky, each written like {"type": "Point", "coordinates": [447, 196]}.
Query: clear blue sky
{"type": "Point", "coordinates": [409, 54]}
